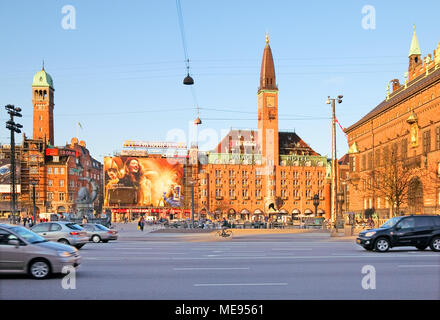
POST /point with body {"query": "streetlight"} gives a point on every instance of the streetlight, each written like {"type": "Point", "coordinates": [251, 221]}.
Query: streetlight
{"type": "Point", "coordinates": [14, 128]}
{"type": "Point", "coordinates": [332, 102]}
{"type": "Point", "coordinates": [340, 196]}
{"type": "Point", "coordinates": [34, 182]}
{"type": "Point", "coordinates": [316, 203]}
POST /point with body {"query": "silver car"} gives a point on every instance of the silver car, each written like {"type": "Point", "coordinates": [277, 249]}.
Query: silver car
{"type": "Point", "coordinates": [62, 231]}
{"type": "Point", "coordinates": [97, 232]}
{"type": "Point", "coordinates": [23, 251]}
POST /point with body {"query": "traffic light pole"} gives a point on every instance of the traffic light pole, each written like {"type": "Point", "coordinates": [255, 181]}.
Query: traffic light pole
{"type": "Point", "coordinates": [13, 173]}
{"type": "Point", "coordinates": [14, 128]}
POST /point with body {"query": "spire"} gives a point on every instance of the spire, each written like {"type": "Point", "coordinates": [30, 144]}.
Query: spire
{"type": "Point", "coordinates": [267, 74]}
{"type": "Point", "coordinates": [415, 48]}
{"type": "Point", "coordinates": [42, 69]}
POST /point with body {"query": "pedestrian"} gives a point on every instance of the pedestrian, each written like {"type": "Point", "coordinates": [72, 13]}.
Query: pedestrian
{"type": "Point", "coordinates": [31, 222]}
{"type": "Point", "coordinates": [24, 221]}
{"type": "Point", "coordinates": [141, 223]}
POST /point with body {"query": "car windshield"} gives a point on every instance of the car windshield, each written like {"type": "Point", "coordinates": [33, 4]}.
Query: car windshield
{"type": "Point", "coordinates": [390, 223]}
{"type": "Point", "coordinates": [101, 227]}
{"type": "Point", "coordinates": [30, 236]}
{"type": "Point", "coordinates": [73, 226]}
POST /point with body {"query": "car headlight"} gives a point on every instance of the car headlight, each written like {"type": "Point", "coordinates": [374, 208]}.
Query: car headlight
{"type": "Point", "coordinates": [64, 254]}
{"type": "Point", "coordinates": [369, 234]}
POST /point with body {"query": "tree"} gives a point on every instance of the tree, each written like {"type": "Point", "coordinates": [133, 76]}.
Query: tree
{"type": "Point", "coordinates": [393, 180]}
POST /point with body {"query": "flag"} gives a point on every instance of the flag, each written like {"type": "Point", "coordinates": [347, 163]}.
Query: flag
{"type": "Point", "coordinates": [79, 124]}
{"type": "Point", "coordinates": [346, 136]}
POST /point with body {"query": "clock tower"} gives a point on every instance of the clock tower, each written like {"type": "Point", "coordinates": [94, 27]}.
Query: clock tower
{"type": "Point", "coordinates": [268, 110]}
{"type": "Point", "coordinates": [268, 126]}
{"type": "Point", "coordinates": [43, 104]}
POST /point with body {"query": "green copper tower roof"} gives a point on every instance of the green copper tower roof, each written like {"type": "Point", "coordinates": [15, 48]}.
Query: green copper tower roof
{"type": "Point", "coordinates": [415, 48]}
{"type": "Point", "coordinates": [42, 79]}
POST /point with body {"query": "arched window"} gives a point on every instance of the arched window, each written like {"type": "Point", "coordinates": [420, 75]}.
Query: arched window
{"type": "Point", "coordinates": [44, 94]}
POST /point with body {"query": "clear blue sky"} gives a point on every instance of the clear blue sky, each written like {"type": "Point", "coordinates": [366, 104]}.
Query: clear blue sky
{"type": "Point", "coordinates": [120, 72]}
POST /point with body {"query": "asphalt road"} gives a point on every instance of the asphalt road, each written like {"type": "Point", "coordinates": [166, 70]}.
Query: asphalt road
{"type": "Point", "coordinates": [273, 266]}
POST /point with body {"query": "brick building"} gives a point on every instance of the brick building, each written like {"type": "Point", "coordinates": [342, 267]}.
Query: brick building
{"type": "Point", "coordinates": [402, 134]}
{"type": "Point", "coordinates": [251, 170]}
{"type": "Point", "coordinates": [59, 171]}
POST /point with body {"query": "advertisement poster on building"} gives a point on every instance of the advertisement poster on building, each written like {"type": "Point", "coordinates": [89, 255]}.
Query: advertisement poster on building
{"type": "Point", "coordinates": [142, 181]}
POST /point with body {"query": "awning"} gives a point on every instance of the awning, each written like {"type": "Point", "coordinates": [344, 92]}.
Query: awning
{"type": "Point", "coordinates": [258, 211]}
{"type": "Point", "coordinates": [244, 211]}
{"type": "Point", "coordinates": [308, 212]}
{"type": "Point", "coordinates": [284, 211]}
{"type": "Point", "coordinates": [296, 212]}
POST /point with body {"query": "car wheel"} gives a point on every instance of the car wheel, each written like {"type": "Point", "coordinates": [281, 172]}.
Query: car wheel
{"type": "Point", "coordinates": [382, 245]}
{"type": "Point", "coordinates": [39, 269]}
{"type": "Point", "coordinates": [64, 241]}
{"type": "Point", "coordinates": [435, 244]}
{"type": "Point", "coordinates": [96, 238]}
{"type": "Point", "coordinates": [421, 248]}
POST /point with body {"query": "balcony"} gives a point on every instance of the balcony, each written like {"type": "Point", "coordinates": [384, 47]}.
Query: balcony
{"type": "Point", "coordinates": [246, 198]}
{"type": "Point", "coordinates": [232, 198]}
{"type": "Point", "coordinates": [219, 198]}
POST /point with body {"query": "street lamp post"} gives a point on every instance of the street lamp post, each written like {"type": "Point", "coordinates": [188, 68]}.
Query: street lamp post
{"type": "Point", "coordinates": [34, 210]}
{"type": "Point", "coordinates": [334, 173]}
{"type": "Point", "coordinates": [316, 203]}
{"type": "Point", "coordinates": [14, 128]}
{"type": "Point", "coordinates": [340, 196]}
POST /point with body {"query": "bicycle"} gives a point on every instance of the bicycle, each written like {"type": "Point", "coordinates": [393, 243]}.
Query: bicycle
{"type": "Point", "coordinates": [224, 233]}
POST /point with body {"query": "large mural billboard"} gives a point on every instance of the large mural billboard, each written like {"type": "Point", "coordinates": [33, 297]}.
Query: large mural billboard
{"type": "Point", "coordinates": [143, 181]}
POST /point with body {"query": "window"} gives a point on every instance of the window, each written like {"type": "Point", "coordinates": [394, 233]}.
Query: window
{"type": "Point", "coordinates": [406, 223]}
{"type": "Point", "coordinates": [404, 148]}
{"type": "Point", "coordinates": [352, 163]}
{"type": "Point", "coordinates": [364, 162]}
{"type": "Point", "coordinates": [61, 196]}
{"type": "Point", "coordinates": [61, 183]}
{"type": "Point", "coordinates": [55, 227]}
{"type": "Point", "coordinates": [437, 138]}
{"type": "Point", "coordinates": [61, 170]}
{"type": "Point", "coordinates": [424, 222]}
{"type": "Point", "coordinates": [218, 192]}
{"type": "Point", "coordinates": [50, 183]}
{"type": "Point", "coordinates": [55, 170]}
{"type": "Point", "coordinates": [43, 227]}
{"type": "Point", "coordinates": [50, 196]}
{"type": "Point", "coordinates": [258, 193]}
{"type": "Point", "coordinates": [377, 160]}
{"type": "Point", "coordinates": [33, 170]}
{"type": "Point", "coordinates": [370, 160]}
{"type": "Point", "coordinates": [427, 141]}
{"type": "Point", "coordinates": [385, 155]}
{"type": "Point", "coordinates": [49, 170]}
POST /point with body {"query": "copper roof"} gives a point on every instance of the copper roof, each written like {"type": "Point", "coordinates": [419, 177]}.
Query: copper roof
{"type": "Point", "coordinates": [267, 74]}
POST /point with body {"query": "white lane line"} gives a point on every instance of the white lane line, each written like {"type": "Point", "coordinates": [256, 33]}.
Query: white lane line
{"type": "Point", "coordinates": [419, 266]}
{"type": "Point", "coordinates": [181, 269]}
{"type": "Point", "coordinates": [237, 284]}
{"type": "Point", "coordinates": [292, 249]}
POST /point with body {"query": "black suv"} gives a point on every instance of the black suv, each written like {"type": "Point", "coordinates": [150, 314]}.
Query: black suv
{"type": "Point", "coordinates": [419, 231]}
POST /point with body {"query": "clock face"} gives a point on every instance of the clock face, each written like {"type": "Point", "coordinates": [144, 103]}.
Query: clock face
{"type": "Point", "coordinates": [270, 101]}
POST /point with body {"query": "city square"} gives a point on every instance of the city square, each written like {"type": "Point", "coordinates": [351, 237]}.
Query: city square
{"type": "Point", "coordinates": [204, 151]}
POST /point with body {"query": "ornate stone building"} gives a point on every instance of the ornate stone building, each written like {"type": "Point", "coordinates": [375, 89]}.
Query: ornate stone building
{"type": "Point", "coordinates": [398, 144]}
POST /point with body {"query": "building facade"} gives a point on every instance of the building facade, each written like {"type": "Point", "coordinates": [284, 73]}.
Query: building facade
{"type": "Point", "coordinates": [56, 173]}
{"type": "Point", "coordinates": [253, 174]}
{"type": "Point", "coordinates": [397, 144]}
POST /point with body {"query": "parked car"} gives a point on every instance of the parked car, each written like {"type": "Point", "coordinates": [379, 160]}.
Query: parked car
{"type": "Point", "coordinates": [62, 231]}
{"type": "Point", "coordinates": [97, 232]}
{"type": "Point", "coordinates": [419, 231]}
{"type": "Point", "coordinates": [24, 251]}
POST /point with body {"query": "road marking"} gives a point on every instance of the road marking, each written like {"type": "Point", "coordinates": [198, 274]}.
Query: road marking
{"type": "Point", "coordinates": [237, 284]}
{"type": "Point", "coordinates": [179, 269]}
{"type": "Point", "coordinates": [419, 266]}
{"type": "Point", "coordinates": [292, 249]}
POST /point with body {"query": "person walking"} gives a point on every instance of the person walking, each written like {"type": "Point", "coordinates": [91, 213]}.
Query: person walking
{"type": "Point", "coordinates": [24, 221]}
{"type": "Point", "coordinates": [141, 223]}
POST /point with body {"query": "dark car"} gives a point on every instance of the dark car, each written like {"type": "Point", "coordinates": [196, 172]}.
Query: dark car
{"type": "Point", "coordinates": [418, 231]}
